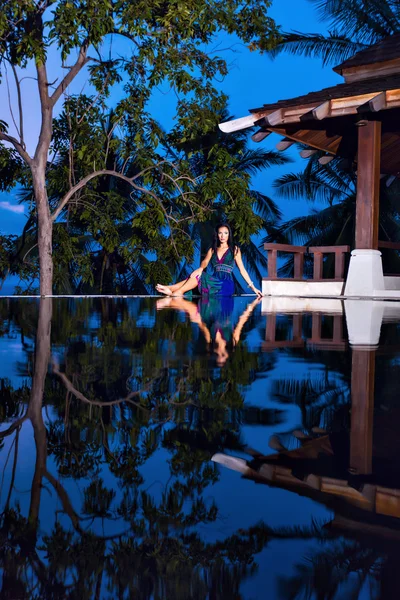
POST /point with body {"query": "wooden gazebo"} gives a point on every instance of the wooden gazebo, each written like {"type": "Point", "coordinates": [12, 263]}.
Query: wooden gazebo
{"type": "Point", "coordinates": [358, 120]}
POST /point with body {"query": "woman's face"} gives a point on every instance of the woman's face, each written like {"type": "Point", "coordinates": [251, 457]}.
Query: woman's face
{"type": "Point", "coordinates": [223, 235]}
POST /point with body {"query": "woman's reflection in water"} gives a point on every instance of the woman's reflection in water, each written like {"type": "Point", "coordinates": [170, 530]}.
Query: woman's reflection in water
{"type": "Point", "coordinates": [214, 318]}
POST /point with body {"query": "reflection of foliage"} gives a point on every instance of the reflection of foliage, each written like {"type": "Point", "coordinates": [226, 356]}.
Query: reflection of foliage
{"type": "Point", "coordinates": [129, 394]}
{"type": "Point", "coordinates": [318, 397]}
{"type": "Point", "coordinates": [343, 567]}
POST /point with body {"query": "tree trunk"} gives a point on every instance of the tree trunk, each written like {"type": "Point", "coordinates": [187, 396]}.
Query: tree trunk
{"type": "Point", "coordinates": [42, 355]}
{"type": "Point", "coordinates": [45, 231]}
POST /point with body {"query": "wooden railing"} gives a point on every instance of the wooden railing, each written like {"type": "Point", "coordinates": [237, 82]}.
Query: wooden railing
{"type": "Point", "coordinates": [385, 245]}
{"type": "Point", "coordinates": [389, 245]}
{"type": "Point", "coordinates": [299, 252]}
{"type": "Point", "coordinates": [272, 251]}
{"type": "Point", "coordinates": [338, 251]}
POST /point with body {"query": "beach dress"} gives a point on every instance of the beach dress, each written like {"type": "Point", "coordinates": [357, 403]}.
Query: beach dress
{"type": "Point", "coordinates": [219, 282]}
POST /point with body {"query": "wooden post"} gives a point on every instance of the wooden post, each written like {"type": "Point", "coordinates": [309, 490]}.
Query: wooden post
{"type": "Point", "coordinates": [272, 260]}
{"type": "Point", "coordinates": [318, 265]}
{"type": "Point", "coordinates": [362, 410]}
{"type": "Point", "coordinates": [298, 265]}
{"type": "Point", "coordinates": [338, 328]}
{"type": "Point", "coordinates": [316, 327]}
{"type": "Point", "coordinates": [297, 326]}
{"type": "Point", "coordinates": [368, 177]}
{"type": "Point", "coordinates": [339, 265]}
{"type": "Point", "coordinates": [270, 331]}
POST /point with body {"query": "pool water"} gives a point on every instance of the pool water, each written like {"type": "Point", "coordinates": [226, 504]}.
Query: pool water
{"type": "Point", "coordinates": [183, 449]}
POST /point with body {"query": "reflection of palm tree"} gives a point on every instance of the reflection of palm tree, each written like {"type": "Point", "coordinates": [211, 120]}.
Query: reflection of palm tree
{"type": "Point", "coordinates": [318, 397]}
{"type": "Point", "coordinates": [345, 568]}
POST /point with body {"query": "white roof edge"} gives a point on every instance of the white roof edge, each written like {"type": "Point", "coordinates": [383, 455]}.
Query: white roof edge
{"type": "Point", "coordinates": [238, 124]}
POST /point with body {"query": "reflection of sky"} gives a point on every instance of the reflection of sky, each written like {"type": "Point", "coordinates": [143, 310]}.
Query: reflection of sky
{"type": "Point", "coordinates": [253, 80]}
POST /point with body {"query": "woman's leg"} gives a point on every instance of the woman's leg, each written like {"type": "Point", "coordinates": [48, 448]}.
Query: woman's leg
{"type": "Point", "coordinates": [179, 288]}
{"type": "Point", "coordinates": [173, 287]}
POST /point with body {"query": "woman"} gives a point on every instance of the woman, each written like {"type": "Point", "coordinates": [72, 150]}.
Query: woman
{"type": "Point", "coordinates": [222, 256]}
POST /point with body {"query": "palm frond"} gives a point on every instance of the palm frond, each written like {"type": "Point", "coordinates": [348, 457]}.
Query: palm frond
{"type": "Point", "coordinates": [331, 49]}
{"type": "Point", "coordinates": [265, 206]}
{"type": "Point", "coordinates": [253, 161]}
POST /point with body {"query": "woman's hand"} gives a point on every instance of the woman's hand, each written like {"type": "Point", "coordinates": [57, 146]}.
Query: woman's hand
{"type": "Point", "coordinates": [256, 291]}
{"type": "Point", "coordinates": [196, 273]}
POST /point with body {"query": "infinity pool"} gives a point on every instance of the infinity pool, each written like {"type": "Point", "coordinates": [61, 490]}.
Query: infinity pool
{"type": "Point", "coordinates": [180, 449]}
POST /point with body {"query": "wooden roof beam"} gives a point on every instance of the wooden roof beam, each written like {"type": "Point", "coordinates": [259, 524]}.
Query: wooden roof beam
{"type": "Point", "coordinates": [284, 144]}
{"type": "Point", "coordinates": [319, 113]}
{"type": "Point", "coordinates": [324, 160]}
{"type": "Point", "coordinates": [271, 120]}
{"type": "Point", "coordinates": [239, 124]}
{"type": "Point", "coordinates": [375, 104]}
{"type": "Point", "coordinates": [308, 152]}
{"type": "Point", "coordinates": [260, 135]}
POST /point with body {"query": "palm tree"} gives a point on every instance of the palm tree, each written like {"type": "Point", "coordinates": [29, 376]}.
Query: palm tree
{"type": "Point", "coordinates": [353, 25]}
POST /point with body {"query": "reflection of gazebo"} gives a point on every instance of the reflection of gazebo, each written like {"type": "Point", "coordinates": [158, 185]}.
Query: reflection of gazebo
{"type": "Point", "coordinates": [358, 120]}
{"type": "Point", "coordinates": [356, 473]}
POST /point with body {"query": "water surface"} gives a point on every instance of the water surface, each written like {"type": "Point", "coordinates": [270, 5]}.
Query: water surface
{"type": "Point", "coordinates": [178, 449]}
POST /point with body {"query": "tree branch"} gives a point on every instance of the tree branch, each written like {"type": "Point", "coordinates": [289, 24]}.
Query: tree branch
{"type": "Point", "coordinates": [72, 389]}
{"type": "Point", "coordinates": [21, 114]}
{"type": "Point", "coordinates": [21, 151]}
{"type": "Point", "coordinates": [13, 426]}
{"type": "Point", "coordinates": [112, 173]}
{"type": "Point", "coordinates": [72, 73]}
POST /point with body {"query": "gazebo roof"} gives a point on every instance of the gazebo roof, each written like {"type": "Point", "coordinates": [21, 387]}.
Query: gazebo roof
{"type": "Point", "coordinates": [386, 50]}
{"type": "Point", "coordinates": [326, 119]}
{"type": "Point", "coordinates": [373, 86]}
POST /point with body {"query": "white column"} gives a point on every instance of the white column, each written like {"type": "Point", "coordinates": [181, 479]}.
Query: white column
{"type": "Point", "coordinates": [365, 276]}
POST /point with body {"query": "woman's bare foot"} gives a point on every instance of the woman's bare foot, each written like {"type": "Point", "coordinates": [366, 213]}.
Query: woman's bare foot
{"type": "Point", "coordinates": [163, 289]}
{"type": "Point", "coordinates": [163, 303]}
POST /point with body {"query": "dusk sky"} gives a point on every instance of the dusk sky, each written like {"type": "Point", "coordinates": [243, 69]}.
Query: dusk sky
{"type": "Point", "coordinates": [253, 80]}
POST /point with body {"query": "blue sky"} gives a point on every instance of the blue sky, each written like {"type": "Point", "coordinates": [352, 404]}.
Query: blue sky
{"type": "Point", "coordinates": [253, 80]}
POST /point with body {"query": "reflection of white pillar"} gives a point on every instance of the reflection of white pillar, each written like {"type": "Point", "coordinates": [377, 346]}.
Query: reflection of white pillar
{"type": "Point", "coordinates": [364, 319]}
{"type": "Point", "coordinates": [365, 276]}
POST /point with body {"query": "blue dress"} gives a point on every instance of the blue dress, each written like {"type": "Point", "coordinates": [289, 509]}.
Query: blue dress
{"type": "Point", "coordinates": [220, 281]}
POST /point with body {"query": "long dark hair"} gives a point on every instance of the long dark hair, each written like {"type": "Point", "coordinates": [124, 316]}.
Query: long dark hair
{"type": "Point", "coordinates": [231, 242]}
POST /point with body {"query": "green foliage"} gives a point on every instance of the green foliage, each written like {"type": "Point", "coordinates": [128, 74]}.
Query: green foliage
{"type": "Point", "coordinates": [165, 44]}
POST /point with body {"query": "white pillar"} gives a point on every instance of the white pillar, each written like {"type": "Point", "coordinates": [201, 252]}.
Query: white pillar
{"type": "Point", "coordinates": [364, 320]}
{"type": "Point", "coordinates": [365, 276]}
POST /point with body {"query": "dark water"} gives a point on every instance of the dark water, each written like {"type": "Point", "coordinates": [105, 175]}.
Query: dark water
{"type": "Point", "coordinates": [179, 450]}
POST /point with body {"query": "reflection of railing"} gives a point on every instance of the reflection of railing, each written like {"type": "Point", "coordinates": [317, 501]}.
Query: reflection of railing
{"type": "Point", "coordinates": [298, 256]}
{"type": "Point", "coordinates": [336, 342]}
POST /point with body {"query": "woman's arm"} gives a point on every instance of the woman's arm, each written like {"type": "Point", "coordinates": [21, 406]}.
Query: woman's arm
{"type": "Point", "coordinates": [203, 264]}
{"type": "Point", "coordinates": [244, 273]}
{"type": "Point", "coordinates": [243, 318]}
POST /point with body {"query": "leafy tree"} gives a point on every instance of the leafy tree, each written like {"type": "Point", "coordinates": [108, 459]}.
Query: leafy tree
{"type": "Point", "coordinates": [169, 42]}
{"type": "Point", "coordinates": [105, 246]}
